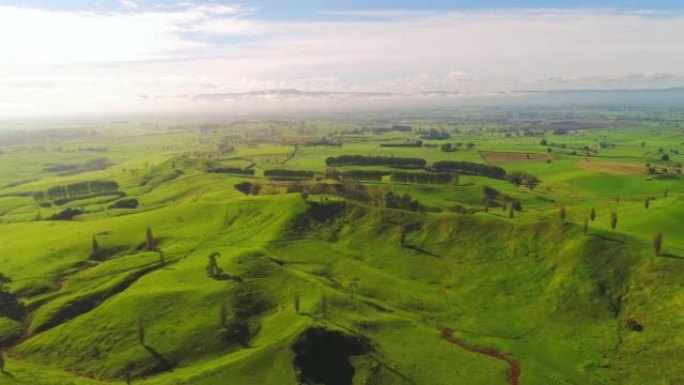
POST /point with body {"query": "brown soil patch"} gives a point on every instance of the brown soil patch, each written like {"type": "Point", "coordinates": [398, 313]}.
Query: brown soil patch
{"type": "Point", "coordinates": [502, 157]}
{"type": "Point", "coordinates": [611, 167]}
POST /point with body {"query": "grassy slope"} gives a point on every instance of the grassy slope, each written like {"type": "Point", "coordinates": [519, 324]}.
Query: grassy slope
{"type": "Point", "coordinates": [535, 288]}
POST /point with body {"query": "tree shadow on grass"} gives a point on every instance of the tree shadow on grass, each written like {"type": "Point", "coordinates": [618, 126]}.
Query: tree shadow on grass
{"type": "Point", "coordinates": [7, 374]}
{"type": "Point", "coordinates": [422, 251]}
{"type": "Point", "coordinates": [605, 238]}
{"type": "Point", "coordinates": [668, 255]}
{"type": "Point", "coordinates": [165, 364]}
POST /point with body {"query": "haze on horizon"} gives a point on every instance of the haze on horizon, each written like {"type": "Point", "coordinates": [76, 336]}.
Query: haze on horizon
{"type": "Point", "coordinates": [134, 56]}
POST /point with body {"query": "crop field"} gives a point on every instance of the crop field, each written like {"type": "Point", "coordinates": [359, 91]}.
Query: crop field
{"type": "Point", "coordinates": [503, 157]}
{"type": "Point", "coordinates": [344, 252]}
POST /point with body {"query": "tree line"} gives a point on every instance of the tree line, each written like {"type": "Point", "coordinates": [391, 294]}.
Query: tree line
{"type": "Point", "coordinates": [362, 175]}
{"type": "Point", "coordinates": [422, 177]}
{"type": "Point", "coordinates": [472, 168]}
{"type": "Point", "coordinates": [233, 170]}
{"type": "Point", "coordinates": [76, 190]}
{"type": "Point", "coordinates": [362, 160]}
{"type": "Point", "coordinates": [288, 174]}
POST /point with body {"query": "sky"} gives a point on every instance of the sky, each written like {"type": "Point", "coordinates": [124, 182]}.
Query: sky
{"type": "Point", "coordinates": [107, 57]}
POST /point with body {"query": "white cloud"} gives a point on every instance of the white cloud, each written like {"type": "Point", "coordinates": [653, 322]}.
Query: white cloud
{"type": "Point", "coordinates": [56, 60]}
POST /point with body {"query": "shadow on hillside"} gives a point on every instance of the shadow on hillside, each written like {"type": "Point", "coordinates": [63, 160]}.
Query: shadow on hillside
{"type": "Point", "coordinates": [163, 362]}
{"type": "Point", "coordinates": [422, 251]}
{"type": "Point", "coordinates": [668, 255]}
{"type": "Point", "coordinates": [5, 373]}
{"type": "Point", "coordinates": [605, 238]}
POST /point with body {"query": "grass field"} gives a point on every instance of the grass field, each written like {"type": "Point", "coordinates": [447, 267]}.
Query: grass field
{"type": "Point", "coordinates": [318, 273]}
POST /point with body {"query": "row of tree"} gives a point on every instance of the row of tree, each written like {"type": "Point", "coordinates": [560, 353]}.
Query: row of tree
{"type": "Point", "coordinates": [288, 174]}
{"type": "Point", "coordinates": [76, 190]}
{"type": "Point", "coordinates": [362, 175]}
{"type": "Point", "coordinates": [407, 143]}
{"type": "Point", "coordinates": [472, 168]}
{"type": "Point", "coordinates": [422, 177]}
{"type": "Point", "coordinates": [233, 170]}
{"type": "Point", "coordinates": [362, 160]}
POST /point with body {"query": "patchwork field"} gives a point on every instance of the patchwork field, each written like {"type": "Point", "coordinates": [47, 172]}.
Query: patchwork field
{"type": "Point", "coordinates": [293, 252]}
{"type": "Point", "coordinates": [504, 157]}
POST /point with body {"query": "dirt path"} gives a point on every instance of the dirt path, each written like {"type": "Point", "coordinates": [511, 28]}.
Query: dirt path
{"type": "Point", "coordinates": [514, 365]}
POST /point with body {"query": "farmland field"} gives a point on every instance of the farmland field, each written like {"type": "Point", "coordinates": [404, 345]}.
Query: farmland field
{"type": "Point", "coordinates": [503, 157]}
{"type": "Point", "coordinates": [467, 251]}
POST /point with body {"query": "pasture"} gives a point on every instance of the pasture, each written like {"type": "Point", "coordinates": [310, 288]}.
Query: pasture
{"type": "Point", "coordinates": [152, 253]}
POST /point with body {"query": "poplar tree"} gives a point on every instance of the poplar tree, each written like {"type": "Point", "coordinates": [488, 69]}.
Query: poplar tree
{"type": "Point", "coordinates": [657, 242]}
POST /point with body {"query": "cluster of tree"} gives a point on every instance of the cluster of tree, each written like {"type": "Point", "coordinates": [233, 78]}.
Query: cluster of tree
{"type": "Point", "coordinates": [361, 160]}
{"type": "Point", "coordinates": [470, 168]}
{"type": "Point", "coordinates": [435, 134]}
{"type": "Point", "coordinates": [381, 130]}
{"type": "Point", "coordinates": [214, 271]}
{"type": "Point", "coordinates": [518, 178]}
{"type": "Point", "coordinates": [453, 147]}
{"type": "Point", "coordinates": [248, 188]}
{"type": "Point", "coordinates": [362, 175]}
{"type": "Point", "coordinates": [406, 143]}
{"type": "Point", "coordinates": [10, 306]}
{"type": "Point", "coordinates": [233, 170]}
{"type": "Point", "coordinates": [92, 149]}
{"type": "Point", "coordinates": [324, 142]}
{"type": "Point", "coordinates": [128, 203]}
{"type": "Point", "coordinates": [495, 198]}
{"type": "Point", "coordinates": [288, 174]}
{"type": "Point", "coordinates": [422, 177]}
{"type": "Point", "coordinates": [225, 148]}
{"type": "Point", "coordinates": [448, 147]}
{"type": "Point", "coordinates": [66, 169]}
{"type": "Point", "coordinates": [76, 190]}
{"type": "Point", "coordinates": [66, 214]}
{"type": "Point", "coordinates": [403, 202]}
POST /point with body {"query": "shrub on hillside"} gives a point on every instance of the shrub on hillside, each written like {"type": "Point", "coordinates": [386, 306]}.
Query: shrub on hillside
{"type": "Point", "coordinates": [130, 203]}
{"type": "Point", "coordinates": [66, 214]}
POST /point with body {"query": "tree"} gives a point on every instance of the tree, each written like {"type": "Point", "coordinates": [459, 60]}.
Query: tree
{"type": "Point", "coordinates": [585, 225]}
{"type": "Point", "coordinates": [324, 305]}
{"type": "Point", "coordinates": [149, 245]}
{"type": "Point", "coordinates": [296, 303]}
{"type": "Point", "coordinates": [562, 213]}
{"type": "Point", "coordinates": [162, 259]}
{"type": "Point", "coordinates": [613, 220]}
{"type": "Point", "coordinates": [213, 270]}
{"type": "Point", "coordinates": [657, 242]}
{"type": "Point", "coordinates": [141, 331]}
{"type": "Point", "coordinates": [592, 215]}
{"type": "Point", "coordinates": [353, 286]}
{"type": "Point", "coordinates": [223, 315]}
{"type": "Point", "coordinates": [10, 306]}
{"type": "Point", "coordinates": [127, 374]}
